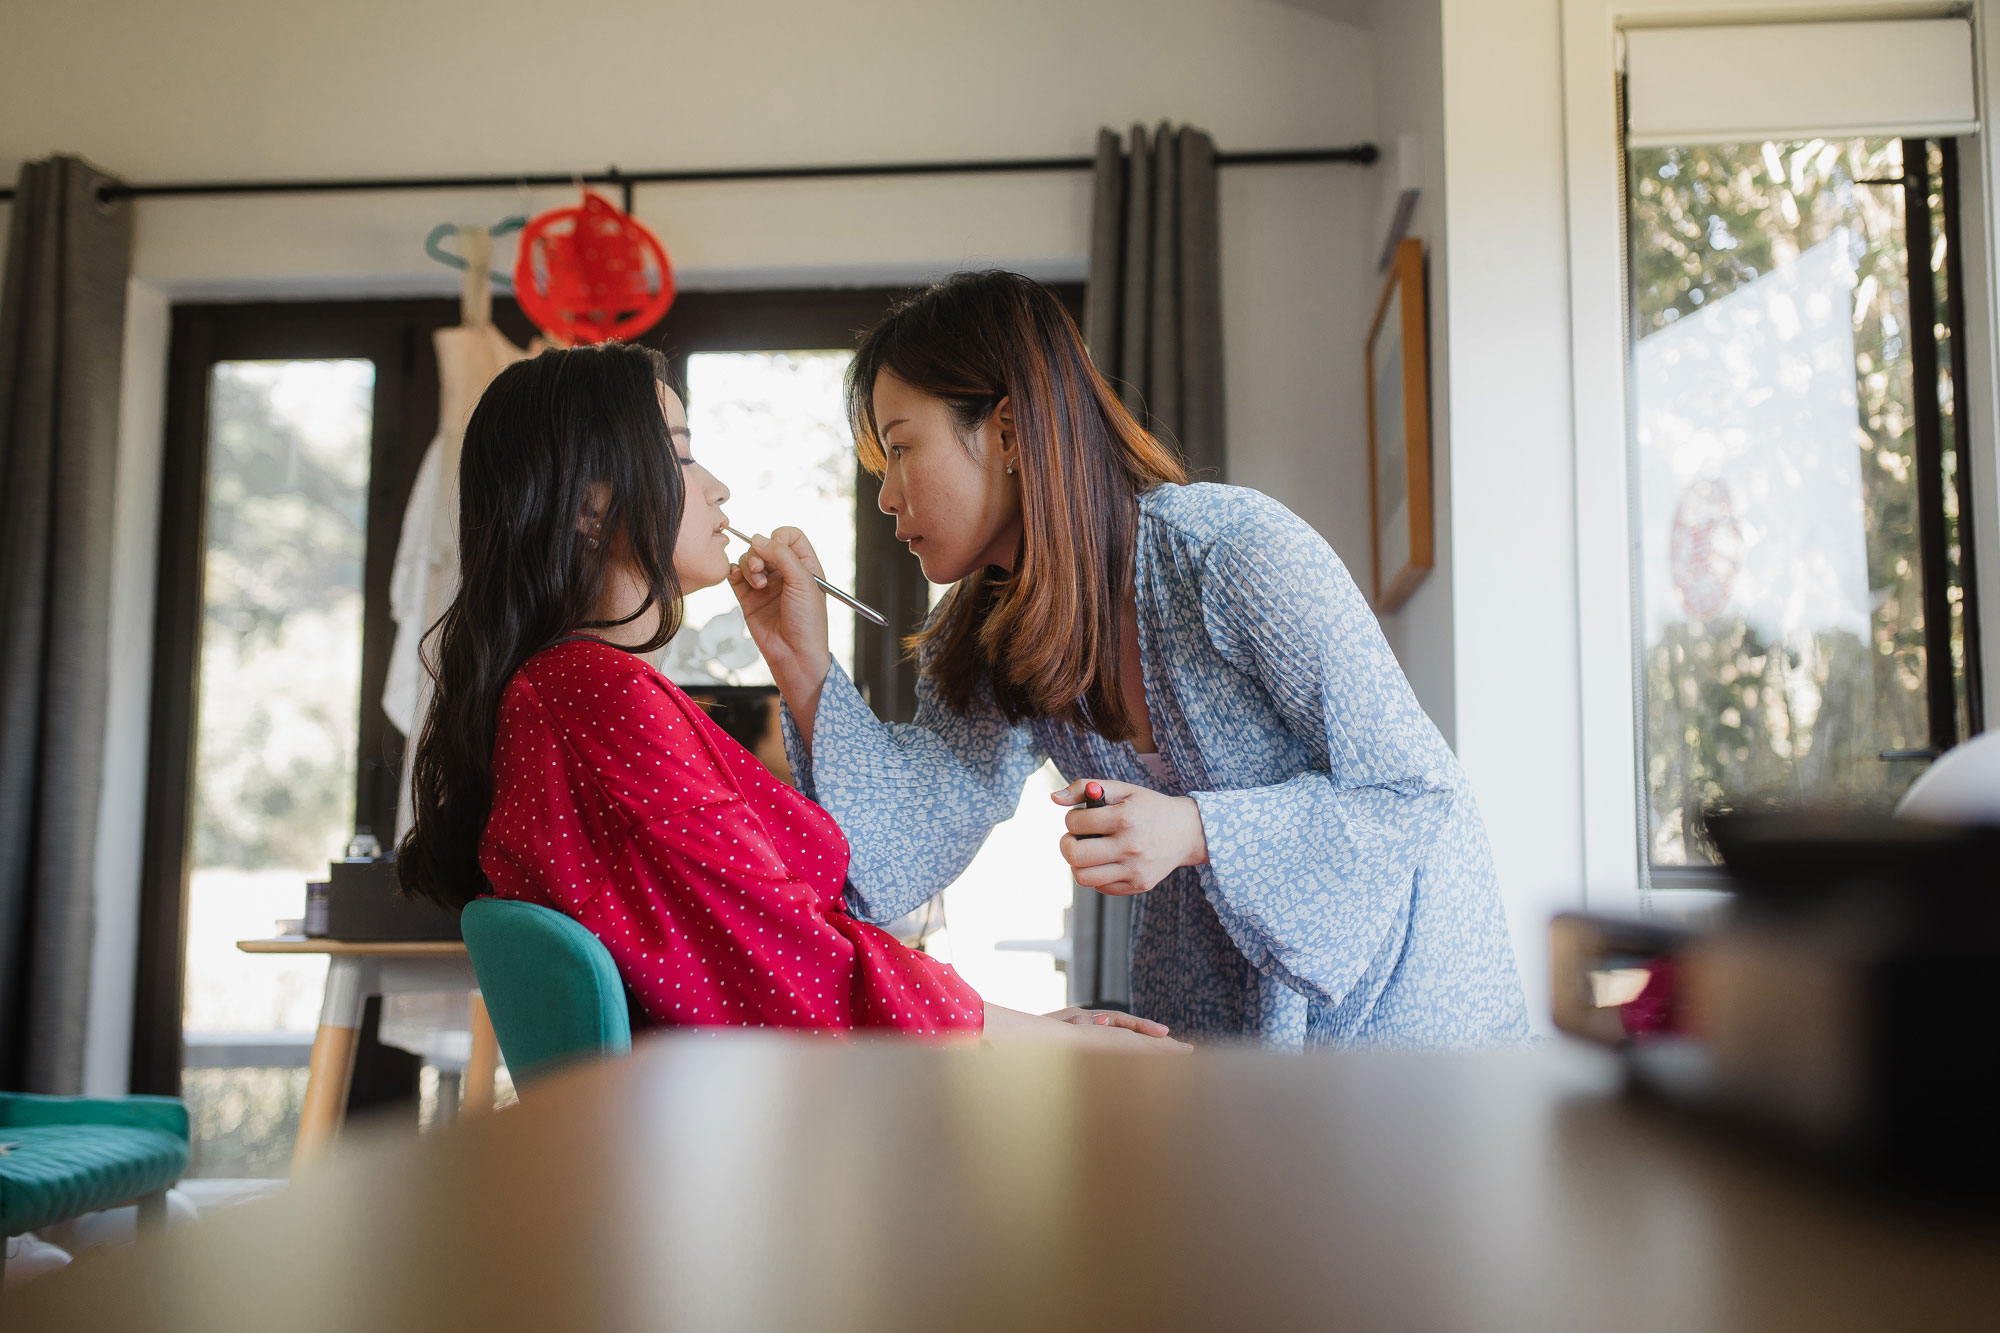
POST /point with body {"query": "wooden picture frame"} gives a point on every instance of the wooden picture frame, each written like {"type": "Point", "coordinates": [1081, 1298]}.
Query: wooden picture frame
{"type": "Point", "coordinates": [1400, 529]}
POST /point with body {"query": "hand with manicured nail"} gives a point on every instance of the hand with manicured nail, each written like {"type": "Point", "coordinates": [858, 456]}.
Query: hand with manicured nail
{"type": "Point", "coordinates": [1093, 1029]}
{"type": "Point", "coordinates": [1134, 841]}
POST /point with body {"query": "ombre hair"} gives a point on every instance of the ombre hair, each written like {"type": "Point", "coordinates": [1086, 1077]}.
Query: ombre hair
{"type": "Point", "coordinates": [1043, 637]}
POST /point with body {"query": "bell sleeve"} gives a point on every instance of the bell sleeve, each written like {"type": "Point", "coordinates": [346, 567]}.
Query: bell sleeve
{"type": "Point", "coordinates": [1313, 878]}
{"type": "Point", "coordinates": [916, 800]}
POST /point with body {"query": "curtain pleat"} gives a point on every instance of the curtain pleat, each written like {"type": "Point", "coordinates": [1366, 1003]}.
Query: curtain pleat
{"type": "Point", "coordinates": [1163, 326]}
{"type": "Point", "coordinates": [1135, 276]}
{"type": "Point", "coordinates": [62, 323]}
{"type": "Point", "coordinates": [1200, 427]}
{"type": "Point", "coordinates": [1153, 312]}
{"type": "Point", "coordinates": [1103, 301]}
{"type": "Point", "coordinates": [1153, 319]}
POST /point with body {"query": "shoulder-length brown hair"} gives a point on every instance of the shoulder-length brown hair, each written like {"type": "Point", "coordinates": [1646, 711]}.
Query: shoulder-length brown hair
{"type": "Point", "coordinates": [1045, 636]}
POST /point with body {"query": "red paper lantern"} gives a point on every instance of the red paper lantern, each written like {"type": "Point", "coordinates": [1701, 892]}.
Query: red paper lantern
{"type": "Point", "coordinates": [592, 273]}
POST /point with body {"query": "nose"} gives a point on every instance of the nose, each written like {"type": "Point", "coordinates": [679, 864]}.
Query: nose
{"type": "Point", "coordinates": [890, 500]}
{"type": "Point", "coordinates": [713, 487]}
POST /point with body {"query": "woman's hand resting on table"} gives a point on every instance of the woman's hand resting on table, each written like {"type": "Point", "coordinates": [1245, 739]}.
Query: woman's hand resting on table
{"type": "Point", "coordinates": [1141, 837]}
{"type": "Point", "coordinates": [1097, 1029]}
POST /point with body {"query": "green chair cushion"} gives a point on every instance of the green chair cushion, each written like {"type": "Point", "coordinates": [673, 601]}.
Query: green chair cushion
{"type": "Point", "coordinates": [28, 1108]}
{"type": "Point", "coordinates": [550, 986]}
{"type": "Point", "coordinates": [61, 1157]}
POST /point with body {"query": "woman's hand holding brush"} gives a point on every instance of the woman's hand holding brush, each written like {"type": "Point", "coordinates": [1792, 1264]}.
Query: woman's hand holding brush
{"type": "Point", "coordinates": [786, 613]}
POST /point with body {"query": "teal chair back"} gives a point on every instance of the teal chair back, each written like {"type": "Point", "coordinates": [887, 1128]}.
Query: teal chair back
{"type": "Point", "coordinates": [551, 989]}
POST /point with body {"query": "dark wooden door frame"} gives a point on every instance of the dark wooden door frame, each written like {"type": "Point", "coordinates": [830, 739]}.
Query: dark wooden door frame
{"type": "Point", "coordinates": [395, 336]}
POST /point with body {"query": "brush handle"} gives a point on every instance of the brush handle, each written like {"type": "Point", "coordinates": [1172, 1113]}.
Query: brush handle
{"type": "Point", "coordinates": [861, 608]}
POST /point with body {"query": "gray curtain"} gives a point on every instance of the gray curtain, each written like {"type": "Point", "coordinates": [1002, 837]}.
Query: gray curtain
{"type": "Point", "coordinates": [62, 333]}
{"type": "Point", "coordinates": [1153, 313]}
{"type": "Point", "coordinates": [1153, 319]}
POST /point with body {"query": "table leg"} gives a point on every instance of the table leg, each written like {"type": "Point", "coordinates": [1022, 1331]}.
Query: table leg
{"type": "Point", "coordinates": [484, 1061]}
{"type": "Point", "coordinates": [332, 1067]}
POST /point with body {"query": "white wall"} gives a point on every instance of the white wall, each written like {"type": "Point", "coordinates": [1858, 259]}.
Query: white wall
{"type": "Point", "coordinates": [1409, 120]}
{"type": "Point", "coordinates": [241, 89]}
{"type": "Point", "coordinates": [1513, 531]}
{"type": "Point", "coordinates": [377, 88]}
{"type": "Point", "coordinates": [1295, 317]}
{"type": "Point", "coordinates": [121, 816]}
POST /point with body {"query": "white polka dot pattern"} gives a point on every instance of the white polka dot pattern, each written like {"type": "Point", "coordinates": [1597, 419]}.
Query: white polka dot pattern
{"type": "Point", "coordinates": [716, 887]}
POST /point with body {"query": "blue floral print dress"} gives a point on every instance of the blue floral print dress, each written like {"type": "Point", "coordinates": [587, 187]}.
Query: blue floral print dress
{"type": "Point", "coordinates": [1349, 897]}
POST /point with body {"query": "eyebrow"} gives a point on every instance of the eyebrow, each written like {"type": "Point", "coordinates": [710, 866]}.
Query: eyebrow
{"type": "Point", "coordinates": [681, 431]}
{"type": "Point", "coordinates": [892, 425]}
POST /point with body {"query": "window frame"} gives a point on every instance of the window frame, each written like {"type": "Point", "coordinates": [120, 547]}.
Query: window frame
{"type": "Point", "coordinates": [1941, 678]}
{"type": "Point", "coordinates": [395, 336]}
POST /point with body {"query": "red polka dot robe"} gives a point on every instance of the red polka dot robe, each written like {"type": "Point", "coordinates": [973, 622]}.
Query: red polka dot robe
{"type": "Point", "coordinates": [716, 887]}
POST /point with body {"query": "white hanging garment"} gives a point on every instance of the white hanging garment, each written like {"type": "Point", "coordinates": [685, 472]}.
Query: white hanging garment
{"type": "Point", "coordinates": [425, 578]}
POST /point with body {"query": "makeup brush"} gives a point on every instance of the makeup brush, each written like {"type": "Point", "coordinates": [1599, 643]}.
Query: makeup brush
{"type": "Point", "coordinates": [862, 608]}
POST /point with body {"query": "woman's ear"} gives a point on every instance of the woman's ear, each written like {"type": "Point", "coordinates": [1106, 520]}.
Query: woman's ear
{"type": "Point", "coordinates": [596, 500]}
{"type": "Point", "coordinates": [1010, 440]}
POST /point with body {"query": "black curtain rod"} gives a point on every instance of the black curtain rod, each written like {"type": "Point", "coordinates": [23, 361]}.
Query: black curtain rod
{"type": "Point", "coordinates": [1357, 153]}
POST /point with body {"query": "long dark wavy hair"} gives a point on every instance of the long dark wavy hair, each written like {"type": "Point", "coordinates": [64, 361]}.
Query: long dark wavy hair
{"type": "Point", "coordinates": [1045, 636]}
{"type": "Point", "coordinates": [544, 432]}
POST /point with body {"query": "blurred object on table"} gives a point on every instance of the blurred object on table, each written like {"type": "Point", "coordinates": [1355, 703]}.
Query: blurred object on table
{"type": "Point", "coordinates": [1843, 1002]}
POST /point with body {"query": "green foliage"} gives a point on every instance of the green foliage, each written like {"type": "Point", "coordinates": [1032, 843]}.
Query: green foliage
{"type": "Point", "coordinates": [243, 1121]}
{"type": "Point", "coordinates": [1730, 719]}
{"type": "Point", "coordinates": [281, 628]}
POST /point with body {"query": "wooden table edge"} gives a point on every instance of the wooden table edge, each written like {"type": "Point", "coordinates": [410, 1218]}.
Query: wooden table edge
{"type": "Point", "coordinates": [354, 948]}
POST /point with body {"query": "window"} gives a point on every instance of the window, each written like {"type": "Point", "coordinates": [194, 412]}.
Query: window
{"type": "Point", "coordinates": [772, 426]}
{"type": "Point", "coordinates": [1004, 923]}
{"type": "Point", "coordinates": [1007, 923]}
{"type": "Point", "coordinates": [275, 757]}
{"type": "Point", "coordinates": [293, 432]}
{"type": "Point", "coordinates": [1805, 615]}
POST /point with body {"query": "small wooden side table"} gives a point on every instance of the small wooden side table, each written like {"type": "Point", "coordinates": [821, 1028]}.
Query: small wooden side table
{"type": "Point", "coordinates": [354, 972]}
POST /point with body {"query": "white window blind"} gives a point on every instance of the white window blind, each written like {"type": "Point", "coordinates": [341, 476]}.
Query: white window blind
{"type": "Point", "coordinates": [1721, 84]}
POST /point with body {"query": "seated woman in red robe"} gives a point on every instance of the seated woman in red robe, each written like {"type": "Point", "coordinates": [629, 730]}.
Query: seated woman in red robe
{"type": "Point", "coordinates": [555, 766]}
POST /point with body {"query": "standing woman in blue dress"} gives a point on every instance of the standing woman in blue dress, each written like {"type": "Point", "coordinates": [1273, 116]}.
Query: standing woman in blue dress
{"type": "Point", "coordinates": [1309, 863]}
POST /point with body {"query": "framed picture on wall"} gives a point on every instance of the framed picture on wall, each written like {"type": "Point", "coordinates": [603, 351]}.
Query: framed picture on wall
{"type": "Point", "coordinates": [1399, 431]}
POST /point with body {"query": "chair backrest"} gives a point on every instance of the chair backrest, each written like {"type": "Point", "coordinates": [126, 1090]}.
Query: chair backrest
{"type": "Point", "coordinates": [550, 986]}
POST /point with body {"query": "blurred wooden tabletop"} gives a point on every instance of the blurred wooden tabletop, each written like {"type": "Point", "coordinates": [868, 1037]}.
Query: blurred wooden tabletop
{"type": "Point", "coordinates": [759, 1182]}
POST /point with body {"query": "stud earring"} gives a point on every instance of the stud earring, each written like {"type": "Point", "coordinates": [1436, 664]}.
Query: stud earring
{"type": "Point", "coordinates": [1010, 469]}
